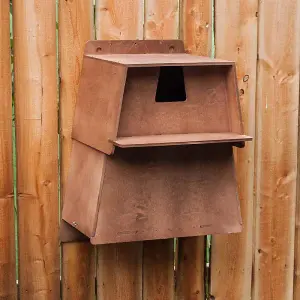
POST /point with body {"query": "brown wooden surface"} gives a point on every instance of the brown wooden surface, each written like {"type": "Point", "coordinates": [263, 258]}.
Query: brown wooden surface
{"type": "Point", "coordinates": [100, 47]}
{"type": "Point", "coordinates": [206, 108]}
{"type": "Point", "coordinates": [236, 39]}
{"type": "Point", "coordinates": [81, 202]}
{"type": "Point", "coordinates": [161, 19]}
{"type": "Point", "coordinates": [8, 289]}
{"type": "Point", "coordinates": [118, 19]}
{"type": "Point", "coordinates": [99, 100]}
{"type": "Point", "coordinates": [179, 139]}
{"type": "Point", "coordinates": [190, 273]}
{"type": "Point", "coordinates": [161, 59]}
{"type": "Point", "coordinates": [155, 193]}
{"type": "Point", "coordinates": [119, 272]}
{"type": "Point", "coordinates": [276, 161]}
{"type": "Point", "coordinates": [37, 156]}
{"type": "Point", "coordinates": [195, 31]}
{"type": "Point", "coordinates": [75, 29]}
{"type": "Point", "coordinates": [158, 270]}
{"type": "Point", "coordinates": [196, 26]}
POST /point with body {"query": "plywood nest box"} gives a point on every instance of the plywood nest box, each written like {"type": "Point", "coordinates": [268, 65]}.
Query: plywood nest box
{"type": "Point", "coordinates": [153, 134]}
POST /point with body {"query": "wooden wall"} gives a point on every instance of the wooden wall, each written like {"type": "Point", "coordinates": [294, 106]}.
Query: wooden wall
{"type": "Point", "coordinates": [40, 62]}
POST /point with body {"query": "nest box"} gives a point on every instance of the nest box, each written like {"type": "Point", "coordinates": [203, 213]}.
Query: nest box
{"type": "Point", "coordinates": [153, 134]}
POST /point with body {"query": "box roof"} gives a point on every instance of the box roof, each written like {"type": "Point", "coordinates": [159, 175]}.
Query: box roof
{"type": "Point", "coordinates": [152, 60]}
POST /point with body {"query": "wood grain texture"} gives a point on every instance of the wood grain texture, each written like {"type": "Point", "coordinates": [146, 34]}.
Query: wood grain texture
{"type": "Point", "coordinates": [196, 32]}
{"type": "Point", "coordinates": [196, 26]}
{"type": "Point", "coordinates": [190, 273]}
{"type": "Point", "coordinates": [161, 22]}
{"type": "Point", "coordinates": [119, 271]}
{"type": "Point", "coordinates": [75, 29]}
{"type": "Point", "coordinates": [236, 39]}
{"type": "Point", "coordinates": [161, 19]}
{"type": "Point", "coordinates": [158, 270]}
{"type": "Point", "coordinates": [36, 129]}
{"type": "Point", "coordinates": [119, 19]}
{"type": "Point", "coordinates": [119, 265]}
{"type": "Point", "coordinates": [276, 150]}
{"type": "Point", "coordinates": [7, 237]}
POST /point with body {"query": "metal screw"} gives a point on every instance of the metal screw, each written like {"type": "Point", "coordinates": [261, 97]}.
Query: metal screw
{"type": "Point", "coordinates": [74, 224]}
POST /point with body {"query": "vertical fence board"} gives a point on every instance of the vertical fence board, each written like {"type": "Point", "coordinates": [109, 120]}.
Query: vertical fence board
{"type": "Point", "coordinates": [236, 39]}
{"type": "Point", "coordinates": [75, 29]}
{"type": "Point", "coordinates": [158, 270]}
{"type": "Point", "coordinates": [119, 19]}
{"type": "Point", "coordinates": [196, 26]}
{"type": "Point", "coordinates": [37, 144]}
{"type": "Point", "coordinates": [161, 22]}
{"type": "Point", "coordinates": [119, 267]}
{"type": "Point", "coordinates": [161, 19]}
{"type": "Point", "coordinates": [196, 32]}
{"type": "Point", "coordinates": [7, 238]}
{"type": "Point", "coordinates": [276, 160]}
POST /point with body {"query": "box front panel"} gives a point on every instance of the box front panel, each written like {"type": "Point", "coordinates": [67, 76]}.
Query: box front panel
{"type": "Point", "coordinates": [205, 108]}
{"type": "Point", "coordinates": [157, 193]}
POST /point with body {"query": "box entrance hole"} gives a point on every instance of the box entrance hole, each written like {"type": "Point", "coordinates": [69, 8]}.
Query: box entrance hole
{"type": "Point", "coordinates": [170, 86]}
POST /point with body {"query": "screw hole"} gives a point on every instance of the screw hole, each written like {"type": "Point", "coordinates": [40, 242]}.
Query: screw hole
{"type": "Point", "coordinates": [171, 48]}
{"type": "Point", "coordinates": [242, 92]}
{"type": "Point", "coordinates": [99, 49]}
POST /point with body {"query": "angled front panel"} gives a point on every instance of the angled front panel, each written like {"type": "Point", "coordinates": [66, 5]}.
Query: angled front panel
{"type": "Point", "coordinates": [83, 186]}
{"type": "Point", "coordinates": [162, 101]}
{"type": "Point", "coordinates": [99, 103]}
{"type": "Point", "coordinates": [158, 193]}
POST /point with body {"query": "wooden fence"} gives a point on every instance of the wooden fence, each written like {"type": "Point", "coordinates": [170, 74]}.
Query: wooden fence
{"type": "Point", "coordinates": [261, 263]}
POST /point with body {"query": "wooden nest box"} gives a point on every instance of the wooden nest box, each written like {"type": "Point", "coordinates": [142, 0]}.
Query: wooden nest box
{"type": "Point", "coordinates": [152, 144]}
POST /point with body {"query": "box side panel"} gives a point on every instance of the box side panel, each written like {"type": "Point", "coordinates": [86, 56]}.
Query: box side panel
{"type": "Point", "coordinates": [158, 193]}
{"type": "Point", "coordinates": [83, 186]}
{"type": "Point", "coordinates": [205, 109]}
{"type": "Point", "coordinates": [99, 102]}
{"type": "Point", "coordinates": [235, 116]}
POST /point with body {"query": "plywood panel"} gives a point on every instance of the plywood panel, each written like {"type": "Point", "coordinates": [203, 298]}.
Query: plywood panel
{"type": "Point", "coordinates": [75, 29]}
{"type": "Point", "coordinates": [118, 19]}
{"type": "Point", "coordinates": [236, 39]}
{"type": "Point", "coordinates": [196, 32]}
{"type": "Point", "coordinates": [206, 108]}
{"type": "Point", "coordinates": [36, 128]}
{"type": "Point", "coordinates": [166, 192]}
{"type": "Point", "coordinates": [161, 19]}
{"type": "Point", "coordinates": [276, 160]}
{"type": "Point", "coordinates": [7, 238]}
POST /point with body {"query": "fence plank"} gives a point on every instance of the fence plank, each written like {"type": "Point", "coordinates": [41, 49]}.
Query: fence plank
{"type": "Point", "coordinates": [276, 160]}
{"type": "Point", "coordinates": [161, 19]}
{"type": "Point", "coordinates": [36, 129]}
{"type": "Point", "coordinates": [158, 270]}
{"type": "Point", "coordinates": [119, 268]}
{"type": "Point", "coordinates": [7, 238]}
{"type": "Point", "coordinates": [75, 29]}
{"type": "Point", "coordinates": [161, 22]}
{"type": "Point", "coordinates": [196, 32]}
{"type": "Point", "coordinates": [119, 19]}
{"type": "Point", "coordinates": [236, 39]}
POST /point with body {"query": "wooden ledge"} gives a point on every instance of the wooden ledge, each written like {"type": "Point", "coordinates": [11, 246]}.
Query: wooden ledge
{"type": "Point", "coordinates": [179, 139]}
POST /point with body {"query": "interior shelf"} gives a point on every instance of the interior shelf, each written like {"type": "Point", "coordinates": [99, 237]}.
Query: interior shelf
{"type": "Point", "coordinates": [179, 139]}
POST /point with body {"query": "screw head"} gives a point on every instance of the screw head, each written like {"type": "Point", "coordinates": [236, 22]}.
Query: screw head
{"type": "Point", "coordinates": [74, 224]}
